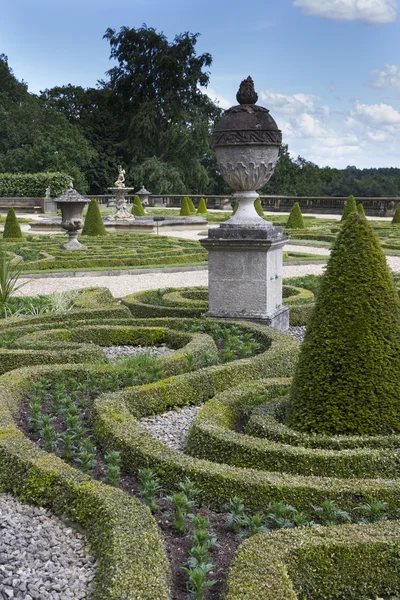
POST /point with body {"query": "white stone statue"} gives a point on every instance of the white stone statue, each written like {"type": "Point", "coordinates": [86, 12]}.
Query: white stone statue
{"type": "Point", "coordinates": [120, 183]}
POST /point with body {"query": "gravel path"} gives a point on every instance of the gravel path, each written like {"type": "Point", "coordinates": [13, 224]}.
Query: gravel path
{"type": "Point", "coordinates": [171, 428]}
{"type": "Point", "coordinates": [40, 557]}
{"type": "Point", "coordinates": [114, 352]}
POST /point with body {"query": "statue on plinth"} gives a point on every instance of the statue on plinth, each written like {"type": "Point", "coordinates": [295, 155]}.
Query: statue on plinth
{"type": "Point", "coordinates": [121, 213]}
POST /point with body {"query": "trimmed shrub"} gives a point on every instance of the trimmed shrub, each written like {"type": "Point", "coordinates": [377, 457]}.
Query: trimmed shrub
{"type": "Point", "coordinates": [258, 207]}
{"type": "Point", "coordinates": [346, 381]}
{"type": "Point", "coordinates": [93, 222]}
{"type": "Point", "coordinates": [360, 210]}
{"type": "Point", "coordinates": [185, 208]}
{"type": "Point", "coordinates": [11, 227]}
{"type": "Point", "coordinates": [33, 184]}
{"type": "Point", "coordinates": [349, 208]}
{"type": "Point", "coordinates": [137, 208]}
{"type": "Point", "coordinates": [192, 207]}
{"type": "Point", "coordinates": [295, 220]}
{"type": "Point", "coordinates": [202, 208]}
{"type": "Point", "coordinates": [396, 216]}
{"type": "Point", "coordinates": [235, 207]}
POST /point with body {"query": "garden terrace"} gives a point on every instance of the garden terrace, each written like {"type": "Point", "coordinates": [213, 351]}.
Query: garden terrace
{"type": "Point", "coordinates": [236, 371]}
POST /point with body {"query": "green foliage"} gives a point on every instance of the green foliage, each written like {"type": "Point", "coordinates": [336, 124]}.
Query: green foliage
{"type": "Point", "coordinates": [258, 207]}
{"type": "Point", "coordinates": [93, 225]}
{"type": "Point", "coordinates": [202, 208]}
{"type": "Point", "coordinates": [349, 208]}
{"type": "Point", "coordinates": [396, 216]}
{"type": "Point", "coordinates": [137, 208]}
{"type": "Point", "coordinates": [235, 207]}
{"type": "Point", "coordinates": [33, 184]}
{"type": "Point", "coordinates": [346, 381]}
{"type": "Point", "coordinates": [11, 227]}
{"type": "Point", "coordinates": [185, 208]}
{"type": "Point", "coordinates": [192, 207]}
{"type": "Point", "coordinates": [9, 276]}
{"type": "Point", "coordinates": [296, 220]}
{"type": "Point", "coordinates": [360, 209]}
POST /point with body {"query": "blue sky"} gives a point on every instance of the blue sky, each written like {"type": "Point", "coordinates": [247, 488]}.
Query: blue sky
{"type": "Point", "coordinates": [328, 70]}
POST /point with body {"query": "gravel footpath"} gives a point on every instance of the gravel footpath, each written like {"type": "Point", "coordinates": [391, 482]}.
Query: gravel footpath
{"type": "Point", "coordinates": [41, 557]}
{"type": "Point", "coordinates": [114, 352]}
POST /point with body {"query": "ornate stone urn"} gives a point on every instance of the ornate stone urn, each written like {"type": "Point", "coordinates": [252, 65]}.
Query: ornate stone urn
{"type": "Point", "coordinates": [71, 204]}
{"type": "Point", "coordinates": [245, 252]}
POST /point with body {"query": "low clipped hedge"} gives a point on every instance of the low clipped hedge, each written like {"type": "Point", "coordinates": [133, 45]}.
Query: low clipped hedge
{"type": "Point", "coordinates": [130, 554]}
{"type": "Point", "coordinates": [345, 561]}
{"type": "Point", "coordinates": [212, 437]}
{"type": "Point", "coordinates": [33, 184]}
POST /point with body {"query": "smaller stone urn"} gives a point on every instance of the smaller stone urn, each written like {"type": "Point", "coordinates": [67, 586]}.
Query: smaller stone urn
{"type": "Point", "coordinates": [71, 204]}
{"type": "Point", "coordinates": [144, 196]}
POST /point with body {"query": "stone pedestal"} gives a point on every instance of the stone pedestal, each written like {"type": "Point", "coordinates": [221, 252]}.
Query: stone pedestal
{"type": "Point", "coordinates": [245, 273]}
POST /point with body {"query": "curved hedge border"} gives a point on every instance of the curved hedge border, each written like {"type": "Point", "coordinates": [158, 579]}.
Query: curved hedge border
{"type": "Point", "coordinates": [126, 542]}
{"type": "Point", "coordinates": [212, 437]}
{"type": "Point", "coordinates": [346, 561]}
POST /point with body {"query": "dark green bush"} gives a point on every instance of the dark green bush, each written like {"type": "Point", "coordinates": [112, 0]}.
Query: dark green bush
{"type": "Point", "coordinates": [137, 208]}
{"type": "Point", "coordinates": [360, 209]}
{"type": "Point", "coordinates": [346, 381]}
{"type": "Point", "coordinates": [349, 208]}
{"type": "Point", "coordinates": [93, 222]}
{"type": "Point", "coordinates": [33, 184]}
{"type": "Point", "coordinates": [296, 220]}
{"type": "Point", "coordinates": [11, 227]}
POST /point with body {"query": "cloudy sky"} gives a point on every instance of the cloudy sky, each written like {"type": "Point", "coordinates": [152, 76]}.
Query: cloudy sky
{"type": "Point", "coordinates": [328, 70]}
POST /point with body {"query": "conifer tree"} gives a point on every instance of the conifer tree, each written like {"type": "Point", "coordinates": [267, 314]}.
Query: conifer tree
{"type": "Point", "coordinates": [347, 377]}
{"type": "Point", "coordinates": [349, 208]}
{"type": "Point", "coordinates": [360, 209]}
{"type": "Point", "coordinates": [295, 220]}
{"type": "Point", "coordinates": [396, 216]}
{"type": "Point", "coordinates": [11, 226]}
{"type": "Point", "coordinates": [137, 208]}
{"type": "Point", "coordinates": [202, 208]}
{"type": "Point", "coordinates": [93, 222]}
{"type": "Point", "coordinates": [185, 208]}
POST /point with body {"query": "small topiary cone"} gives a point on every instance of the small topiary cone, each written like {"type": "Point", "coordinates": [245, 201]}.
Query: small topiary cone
{"type": "Point", "coordinates": [360, 210]}
{"type": "Point", "coordinates": [347, 378]}
{"type": "Point", "coordinates": [202, 208]}
{"type": "Point", "coordinates": [12, 230]}
{"type": "Point", "coordinates": [93, 222]}
{"type": "Point", "coordinates": [235, 207]}
{"type": "Point", "coordinates": [349, 208]}
{"type": "Point", "coordinates": [185, 208]}
{"type": "Point", "coordinates": [192, 207]}
{"type": "Point", "coordinates": [137, 208]}
{"type": "Point", "coordinates": [295, 220]}
{"type": "Point", "coordinates": [396, 216]}
{"type": "Point", "coordinates": [258, 207]}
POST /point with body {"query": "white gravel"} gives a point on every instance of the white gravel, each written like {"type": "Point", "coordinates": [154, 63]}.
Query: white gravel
{"type": "Point", "coordinates": [41, 558]}
{"type": "Point", "coordinates": [171, 428]}
{"type": "Point", "coordinates": [114, 352]}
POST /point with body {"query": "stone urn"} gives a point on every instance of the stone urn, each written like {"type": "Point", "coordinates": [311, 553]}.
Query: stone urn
{"type": "Point", "coordinates": [71, 204]}
{"type": "Point", "coordinates": [246, 142]}
{"type": "Point", "coordinates": [245, 252]}
{"type": "Point", "coordinates": [144, 196]}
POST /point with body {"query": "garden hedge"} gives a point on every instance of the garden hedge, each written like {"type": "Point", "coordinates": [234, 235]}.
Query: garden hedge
{"type": "Point", "coordinates": [346, 561]}
{"type": "Point", "coordinates": [33, 184]}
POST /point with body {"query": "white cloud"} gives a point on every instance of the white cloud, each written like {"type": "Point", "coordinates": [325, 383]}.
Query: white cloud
{"type": "Point", "coordinates": [309, 127]}
{"type": "Point", "coordinates": [389, 77]}
{"type": "Point", "coordinates": [371, 11]}
{"type": "Point", "coordinates": [376, 115]}
{"type": "Point", "coordinates": [218, 99]}
{"type": "Point", "coordinates": [288, 104]}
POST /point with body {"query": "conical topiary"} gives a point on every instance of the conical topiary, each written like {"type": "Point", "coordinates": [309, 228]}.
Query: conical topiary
{"type": "Point", "coordinates": [347, 377]}
{"type": "Point", "coordinates": [137, 208]}
{"type": "Point", "coordinates": [349, 208]}
{"type": "Point", "coordinates": [258, 207]}
{"type": "Point", "coordinates": [235, 207]}
{"type": "Point", "coordinates": [11, 226]}
{"type": "Point", "coordinates": [192, 207]}
{"type": "Point", "coordinates": [185, 208]}
{"type": "Point", "coordinates": [396, 216]}
{"type": "Point", "coordinates": [360, 210]}
{"type": "Point", "coordinates": [93, 222]}
{"type": "Point", "coordinates": [295, 220]}
{"type": "Point", "coordinates": [202, 208]}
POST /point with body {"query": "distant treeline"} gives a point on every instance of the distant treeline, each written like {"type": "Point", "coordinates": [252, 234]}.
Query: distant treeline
{"type": "Point", "coordinates": [149, 115]}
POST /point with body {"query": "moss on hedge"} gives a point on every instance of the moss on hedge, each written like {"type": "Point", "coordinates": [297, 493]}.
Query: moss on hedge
{"type": "Point", "coordinates": [347, 561]}
{"type": "Point", "coordinates": [346, 380]}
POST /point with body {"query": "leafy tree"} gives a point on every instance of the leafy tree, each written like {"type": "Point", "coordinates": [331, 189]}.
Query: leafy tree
{"type": "Point", "coordinates": [349, 208]}
{"type": "Point", "coordinates": [93, 222]}
{"type": "Point", "coordinates": [346, 380]}
{"type": "Point", "coordinates": [11, 226]}
{"type": "Point", "coordinates": [296, 220]}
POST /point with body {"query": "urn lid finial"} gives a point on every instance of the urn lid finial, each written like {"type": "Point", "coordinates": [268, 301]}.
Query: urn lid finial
{"type": "Point", "coordinates": [247, 93]}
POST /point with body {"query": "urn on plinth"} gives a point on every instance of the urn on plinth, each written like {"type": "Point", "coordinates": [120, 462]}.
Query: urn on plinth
{"type": "Point", "coordinates": [72, 204]}
{"type": "Point", "coordinates": [245, 252]}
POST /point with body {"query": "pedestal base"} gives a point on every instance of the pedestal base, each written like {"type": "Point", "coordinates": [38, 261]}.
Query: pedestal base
{"type": "Point", "coordinates": [245, 274]}
{"type": "Point", "coordinates": [73, 243]}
